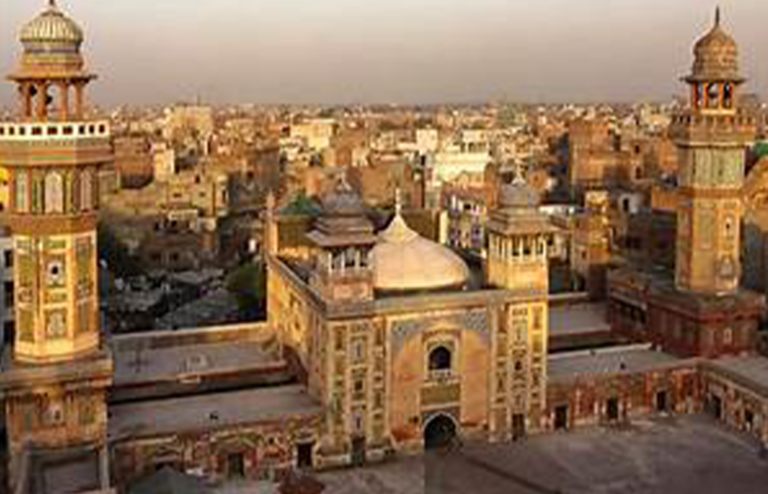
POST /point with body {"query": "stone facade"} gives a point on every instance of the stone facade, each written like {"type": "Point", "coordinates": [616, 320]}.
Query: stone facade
{"type": "Point", "coordinates": [388, 365]}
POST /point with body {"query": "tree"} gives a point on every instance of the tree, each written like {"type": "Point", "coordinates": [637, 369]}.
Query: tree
{"type": "Point", "coordinates": [115, 254]}
{"type": "Point", "coordinates": [248, 284]}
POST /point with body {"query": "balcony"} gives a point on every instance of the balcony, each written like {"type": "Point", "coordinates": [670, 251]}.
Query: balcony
{"type": "Point", "coordinates": [14, 132]}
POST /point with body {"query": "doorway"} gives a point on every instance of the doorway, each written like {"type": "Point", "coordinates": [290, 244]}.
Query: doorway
{"type": "Point", "coordinates": [518, 426]}
{"type": "Point", "coordinates": [236, 466]}
{"type": "Point", "coordinates": [612, 409]}
{"type": "Point", "coordinates": [561, 418]}
{"type": "Point", "coordinates": [358, 451]}
{"type": "Point", "coordinates": [662, 404]}
{"type": "Point", "coordinates": [304, 455]}
{"type": "Point", "coordinates": [715, 407]}
{"type": "Point", "coordinates": [439, 433]}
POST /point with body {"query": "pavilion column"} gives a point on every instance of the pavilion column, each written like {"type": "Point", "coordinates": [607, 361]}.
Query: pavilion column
{"type": "Point", "coordinates": [63, 101]}
{"type": "Point", "coordinates": [79, 99]}
{"type": "Point", "coordinates": [721, 92]}
{"type": "Point", "coordinates": [26, 100]}
{"type": "Point", "coordinates": [695, 96]}
{"type": "Point", "coordinates": [42, 101]}
{"type": "Point", "coordinates": [705, 97]}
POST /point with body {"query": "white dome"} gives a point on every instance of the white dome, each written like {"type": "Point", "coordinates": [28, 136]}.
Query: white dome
{"type": "Point", "coordinates": [404, 261]}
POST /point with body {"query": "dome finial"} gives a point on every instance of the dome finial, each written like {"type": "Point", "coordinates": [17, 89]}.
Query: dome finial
{"type": "Point", "coordinates": [717, 16]}
{"type": "Point", "coordinates": [398, 202]}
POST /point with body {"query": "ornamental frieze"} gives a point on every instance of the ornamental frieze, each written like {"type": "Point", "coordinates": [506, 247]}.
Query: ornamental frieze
{"type": "Point", "coordinates": [475, 321]}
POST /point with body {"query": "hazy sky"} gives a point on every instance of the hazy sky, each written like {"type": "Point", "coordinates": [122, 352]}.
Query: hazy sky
{"type": "Point", "coordinates": [399, 51]}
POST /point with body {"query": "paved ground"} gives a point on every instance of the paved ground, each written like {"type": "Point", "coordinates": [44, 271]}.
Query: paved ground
{"type": "Point", "coordinates": [682, 456]}
{"type": "Point", "coordinates": [688, 456]}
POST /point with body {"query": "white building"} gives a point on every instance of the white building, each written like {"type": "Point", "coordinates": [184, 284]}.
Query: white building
{"type": "Point", "coordinates": [316, 133]}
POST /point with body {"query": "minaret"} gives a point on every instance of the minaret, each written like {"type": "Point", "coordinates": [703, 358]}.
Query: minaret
{"type": "Point", "coordinates": [55, 377]}
{"type": "Point", "coordinates": [712, 136]}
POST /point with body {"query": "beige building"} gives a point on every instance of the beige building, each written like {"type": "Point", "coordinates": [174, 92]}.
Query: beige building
{"type": "Point", "coordinates": [404, 344]}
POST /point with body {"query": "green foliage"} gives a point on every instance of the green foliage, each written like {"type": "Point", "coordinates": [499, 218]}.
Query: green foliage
{"type": "Point", "coordinates": [302, 206]}
{"type": "Point", "coordinates": [248, 284]}
{"type": "Point", "coordinates": [761, 149]}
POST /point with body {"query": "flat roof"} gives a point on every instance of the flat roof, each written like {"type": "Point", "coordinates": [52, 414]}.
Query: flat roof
{"type": "Point", "coordinates": [567, 367]}
{"type": "Point", "coordinates": [750, 371]}
{"type": "Point", "coordinates": [210, 411]}
{"type": "Point", "coordinates": [578, 319]}
{"type": "Point", "coordinates": [172, 363]}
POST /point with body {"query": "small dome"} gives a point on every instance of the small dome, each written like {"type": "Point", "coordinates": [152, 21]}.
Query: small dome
{"type": "Point", "coordinates": [403, 261]}
{"type": "Point", "coordinates": [519, 195]}
{"type": "Point", "coordinates": [716, 56]}
{"type": "Point", "coordinates": [343, 201]}
{"type": "Point", "coordinates": [52, 28]}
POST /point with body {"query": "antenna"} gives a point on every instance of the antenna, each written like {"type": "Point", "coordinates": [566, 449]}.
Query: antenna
{"type": "Point", "coordinates": [717, 16]}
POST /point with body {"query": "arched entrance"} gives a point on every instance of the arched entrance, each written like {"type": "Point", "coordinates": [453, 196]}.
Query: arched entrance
{"type": "Point", "coordinates": [440, 432]}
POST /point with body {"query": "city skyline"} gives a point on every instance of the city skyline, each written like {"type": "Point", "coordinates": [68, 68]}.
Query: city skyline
{"type": "Point", "coordinates": [337, 52]}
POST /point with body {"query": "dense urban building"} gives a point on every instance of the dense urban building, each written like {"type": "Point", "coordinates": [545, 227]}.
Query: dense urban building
{"type": "Point", "coordinates": [410, 260]}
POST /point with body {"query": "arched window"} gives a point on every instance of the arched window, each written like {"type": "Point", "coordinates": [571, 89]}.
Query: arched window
{"type": "Point", "coordinates": [728, 96]}
{"type": "Point", "coordinates": [713, 96]}
{"type": "Point", "coordinates": [22, 192]}
{"type": "Point", "coordinates": [440, 359]}
{"type": "Point", "coordinates": [86, 191]}
{"type": "Point", "coordinates": [54, 193]}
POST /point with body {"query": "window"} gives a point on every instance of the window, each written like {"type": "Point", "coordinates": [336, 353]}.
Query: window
{"type": "Point", "coordinates": [340, 337]}
{"type": "Point", "coordinates": [350, 258]}
{"type": "Point", "coordinates": [54, 413]}
{"type": "Point", "coordinates": [9, 332]}
{"type": "Point", "coordinates": [359, 386]}
{"type": "Point", "coordinates": [56, 276]}
{"type": "Point", "coordinates": [728, 96]}
{"type": "Point", "coordinates": [440, 359]}
{"type": "Point", "coordinates": [358, 351]}
{"type": "Point", "coordinates": [9, 294]}
{"type": "Point", "coordinates": [713, 96]}
{"type": "Point", "coordinates": [358, 423]}
{"type": "Point", "coordinates": [8, 258]}
{"type": "Point", "coordinates": [728, 336]}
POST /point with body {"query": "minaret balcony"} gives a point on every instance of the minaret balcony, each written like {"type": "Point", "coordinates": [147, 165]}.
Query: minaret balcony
{"type": "Point", "coordinates": [46, 131]}
{"type": "Point", "coordinates": [70, 143]}
{"type": "Point", "coordinates": [716, 128]}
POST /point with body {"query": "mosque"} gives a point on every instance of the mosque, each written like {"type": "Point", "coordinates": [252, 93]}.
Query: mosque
{"type": "Point", "coordinates": [378, 343]}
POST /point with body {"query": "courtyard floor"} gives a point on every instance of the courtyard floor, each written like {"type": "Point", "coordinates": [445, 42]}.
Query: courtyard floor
{"type": "Point", "coordinates": [688, 455]}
